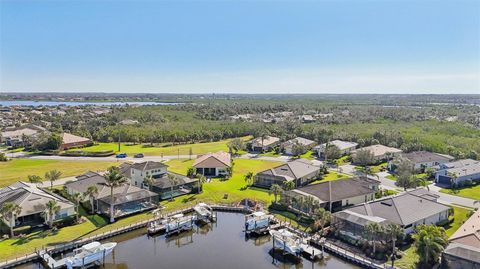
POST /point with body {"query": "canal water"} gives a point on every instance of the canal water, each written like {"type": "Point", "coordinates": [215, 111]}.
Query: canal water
{"type": "Point", "coordinates": [218, 245]}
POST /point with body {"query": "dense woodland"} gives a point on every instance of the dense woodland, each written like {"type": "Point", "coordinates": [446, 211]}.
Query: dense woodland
{"type": "Point", "coordinates": [409, 126]}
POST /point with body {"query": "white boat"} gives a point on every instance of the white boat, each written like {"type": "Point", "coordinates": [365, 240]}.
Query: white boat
{"type": "Point", "coordinates": [160, 224]}
{"type": "Point", "coordinates": [257, 221]}
{"type": "Point", "coordinates": [179, 223]}
{"type": "Point", "coordinates": [286, 241]}
{"type": "Point", "coordinates": [89, 253]}
{"type": "Point", "coordinates": [204, 212]}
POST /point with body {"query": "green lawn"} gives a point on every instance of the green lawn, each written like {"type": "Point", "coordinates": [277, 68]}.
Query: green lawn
{"type": "Point", "coordinates": [330, 177]}
{"type": "Point", "coordinates": [147, 149]}
{"type": "Point", "coordinates": [460, 216]}
{"type": "Point", "coordinates": [392, 177]}
{"type": "Point", "coordinates": [377, 168]}
{"type": "Point", "coordinates": [212, 192]}
{"type": "Point", "coordinates": [19, 169]}
{"type": "Point", "coordinates": [270, 154]}
{"type": "Point", "coordinates": [471, 192]}
{"type": "Point", "coordinates": [309, 155]}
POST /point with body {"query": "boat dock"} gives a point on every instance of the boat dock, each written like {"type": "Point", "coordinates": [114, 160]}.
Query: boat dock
{"type": "Point", "coordinates": [49, 261]}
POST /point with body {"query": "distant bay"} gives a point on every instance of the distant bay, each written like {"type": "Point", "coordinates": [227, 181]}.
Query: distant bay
{"type": "Point", "coordinates": [67, 103]}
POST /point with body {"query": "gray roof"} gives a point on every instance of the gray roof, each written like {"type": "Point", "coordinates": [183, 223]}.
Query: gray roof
{"type": "Point", "coordinates": [461, 163]}
{"type": "Point", "coordinates": [293, 170]}
{"type": "Point", "coordinates": [31, 199]}
{"type": "Point", "coordinates": [342, 145]}
{"type": "Point", "coordinates": [426, 156]}
{"type": "Point", "coordinates": [402, 209]}
{"type": "Point", "coordinates": [299, 140]}
{"type": "Point", "coordinates": [163, 182]}
{"type": "Point", "coordinates": [463, 251]}
{"type": "Point", "coordinates": [148, 165]}
{"type": "Point", "coordinates": [121, 194]}
{"type": "Point", "coordinates": [466, 170]}
{"type": "Point", "coordinates": [340, 189]}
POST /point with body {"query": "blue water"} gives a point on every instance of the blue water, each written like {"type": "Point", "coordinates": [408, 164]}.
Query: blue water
{"type": "Point", "coordinates": [57, 103]}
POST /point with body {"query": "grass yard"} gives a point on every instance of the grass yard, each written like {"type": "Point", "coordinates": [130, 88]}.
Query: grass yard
{"type": "Point", "coordinates": [460, 216]}
{"type": "Point", "coordinates": [148, 150]}
{"type": "Point", "coordinates": [378, 168]}
{"type": "Point", "coordinates": [409, 260]}
{"type": "Point", "coordinates": [212, 192]}
{"type": "Point", "coordinates": [309, 155]}
{"type": "Point", "coordinates": [470, 192]}
{"type": "Point", "coordinates": [270, 154]}
{"type": "Point", "coordinates": [330, 177]}
{"type": "Point", "coordinates": [19, 169]}
{"type": "Point", "coordinates": [392, 177]}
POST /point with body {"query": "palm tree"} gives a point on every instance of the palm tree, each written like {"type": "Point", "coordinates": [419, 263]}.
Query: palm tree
{"type": "Point", "coordinates": [430, 241]}
{"type": "Point", "coordinates": [52, 208]}
{"type": "Point", "coordinates": [114, 178]}
{"type": "Point", "coordinates": [322, 217]}
{"type": "Point", "coordinates": [34, 179]}
{"type": "Point", "coordinates": [394, 231]}
{"type": "Point", "coordinates": [201, 180]}
{"type": "Point", "coordinates": [91, 193]}
{"type": "Point", "coordinates": [173, 182]}
{"type": "Point", "coordinates": [52, 176]}
{"type": "Point", "coordinates": [248, 178]}
{"type": "Point", "coordinates": [309, 201]}
{"type": "Point", "coordinates": [275, 189]}
{"type": "Point", "coordinates": [77, 198]}
{"type": "Point", "coordinates": [148, 181]}
{"type": "Point", "coordinates": [9, 212]}
{"type": "Point", "coordinates": [373, 229]}
{"type": "Point", "coordinates": [289, 185]}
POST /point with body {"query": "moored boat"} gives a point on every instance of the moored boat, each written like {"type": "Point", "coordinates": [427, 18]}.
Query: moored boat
{"type": "Point", "coordinates": [89, 253]}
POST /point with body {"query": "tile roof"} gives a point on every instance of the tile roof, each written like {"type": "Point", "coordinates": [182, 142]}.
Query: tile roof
{"type": "Point", "coordinates": [464, 251]}
{"type": "Point", "coordinates": [148, 165]}
{"type": "Point", "coordinates": [293, 170]}
{"type": "Point", "coordinates": [163, 181]}
{"type": "Point", "coordinates": [70, 138]}
{"type": "Point", "coordinates": [340, 189]}
{"type": "Point", "coordinates": [398, 209]}
{"type": "Point", "coordinates": [469, 232]}
{"type": "Point", "coordinates": [217, 159]}
{"type": "Point", "coordinates": [267, 141]}
{"type": "Point", "coordinates": [342, 145]}
{"type": "Point", "coordinates": [426, 156]}
{"type": "Point", "coordinates": [299, 140]}
{"type": "Point", "coordinates": [379, 150]}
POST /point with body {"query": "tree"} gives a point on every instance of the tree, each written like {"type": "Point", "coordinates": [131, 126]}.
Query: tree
{"type": "Point", "coordinates": [201, 180]}
{"type": "Point", "coordinates": [321, 218]}
{"type": "Point", "coordinates": [149, 181]}
{"type": "Point", "coordinates": [237, 144]}
{"type": "Point", "coordinates": [173, 180]}
{"type": "Point", "coordinates": [298, 149]}
{"type": "Point", "coordinates": [34, 179]}
{"type": "Point", "coordinates": [191, 172]}
{"type": "Point", "coordinates": [249, 178]}
{"type": "Point", "coordinates": [289, 185]}
{"type": "Point", "coordinates": [404, 170]}
{"type": "Point", "coordinates": [332, 152]}
{"type": "Point", "coordinates": [114, 178]}
{"type": "Point", "coordinates": [52, 176]}
{"type": "Point", "coordinates": [275, 189]}
{"type": "Point", "coordinates": [91, 193]}
{"type": "Point", "coordinates": [366, 171]}
{"type": "Point", "coordinates": [363, 157]}
{"type": "Point", "coordinates": [430, 241]}
{"type": "Point", "coordinates": [3, 157]}
{"type": "Point", "coordinates": [9, 212]}
{"type": "Point", "coordinates": [373, 230]}
{"type": "Point", "coordinates": [51, 209]}
{"type": "Point", "coordinates": [77, 198]}
{"type": "Point", "coordinates": [394, 231]}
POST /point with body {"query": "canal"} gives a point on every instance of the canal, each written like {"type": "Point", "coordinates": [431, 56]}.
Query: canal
{"type": "Point", "coordinates": [217, 245]}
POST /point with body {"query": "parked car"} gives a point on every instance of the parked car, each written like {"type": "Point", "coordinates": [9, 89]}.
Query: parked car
{"type": "Point", "coordinates": [139, 155]}
{"type": "Point", "coordinates": [122, 155]}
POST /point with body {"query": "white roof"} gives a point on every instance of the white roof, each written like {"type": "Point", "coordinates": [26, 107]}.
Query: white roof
{"type": "Point", "coordinates": [342, 145]}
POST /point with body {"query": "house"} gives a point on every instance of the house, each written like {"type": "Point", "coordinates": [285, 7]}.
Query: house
{"type": "Point", "coordinates": [21, 136]}
{"type": "Point", "coordinates": [288, 146]}
{"type": "Point", "coordinates": [184, 185]}
{"type": "Point", "coordinates": [72, 141]}
{"type": "Point", "coordinates": [127, 199]}
{"type": "Point", "coordinates": [345, 147]}
{"type": "Point", "coordinates": [464, 248]}
{"type": "Point", "coordinates": [268, 143]}
{"type": "Point", "coordinates": [426, 159]}
{"type": "Point", "coordinates": [408, 209]}
{"type": "Point", "coordinates": [137, 172]}
{"type": "Point", "coordinates": [32, 201]}
{"type": "Point", "coordinates": [213, 164]}
{"type": "Point", "coordinates": [300, 171]}
{"type": "Point", "coordinates": [458, 172]}
{"type": "Point", "coordinates": [380, 152]}
{"type": "Point", "coordinates": [335, 194]}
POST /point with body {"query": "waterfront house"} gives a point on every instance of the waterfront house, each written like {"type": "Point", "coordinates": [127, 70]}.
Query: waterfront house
{"type": "Point", "coordinates": [127, 199]}
{"type": "Point", "coordinates": [306, 144]}
{"type": "Point", "coordinates": [184, 185]}
{"type": "Point", "coordinates": [335, 194]}
{"type": "Point", "coordinates": [425, 159]}
{"type": "Point", "coordinates": [137, 172]}
{"type": "Point", "coordinates": [32, 201]}
{"type": "Point", "coordinates": [408, 209]}
{"type": "Point", "coordinates": [458, 172]}
{"type": "Point", "coordinates": [300, 171]}
{"type": "Point", "coordinates": [345, 147]}
{"type": "Point", "coordinates": [463, 252]}
{"type": "Point", "coordinates": [268, 143]}
{"type": "Point", "coordinates": [213, 164]}
{"type": "Point", "coordinates": [73, 141]}
{"type": "Point", "coordinates": [380, 152]}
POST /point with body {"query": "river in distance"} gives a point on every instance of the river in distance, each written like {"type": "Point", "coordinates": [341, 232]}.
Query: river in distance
{"type": "Point", "coordinates": [58, 103]}
{"type": "Point", "coordinates": [218, 245]}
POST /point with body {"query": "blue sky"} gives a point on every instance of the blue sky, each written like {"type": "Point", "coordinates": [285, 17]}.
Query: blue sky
{"type": "Point", "coordinates": [345, 46]}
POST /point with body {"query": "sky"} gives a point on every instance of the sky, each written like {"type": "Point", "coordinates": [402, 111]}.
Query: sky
{"type": "Point", "coordinates": [343, 46]}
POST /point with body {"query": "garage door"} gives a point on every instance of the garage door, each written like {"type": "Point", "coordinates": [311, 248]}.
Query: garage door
{"type": "Point", "coordinates": [444, 180]}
